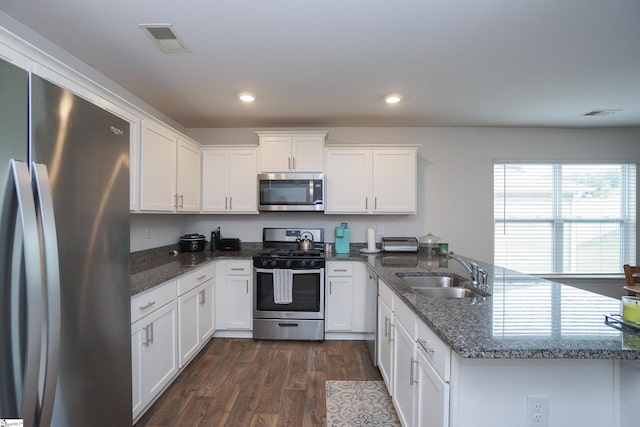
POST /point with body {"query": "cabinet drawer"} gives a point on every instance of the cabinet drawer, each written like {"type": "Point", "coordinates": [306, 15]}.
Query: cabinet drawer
{"type": "Point", "coordinates": [339, 269]}
{"type": "Point", "coordinates": [194, 279]}
{"type": "Point", "coordinates": [434, 350]}
{"type": "Point", "coordinates": [405, 316]}
{"type": "Point", "coordinates": [151, 300]}
{"type": "Point", "coordinates": [385, 293]}
{"type": "Point", "coordinates": [236, 268]}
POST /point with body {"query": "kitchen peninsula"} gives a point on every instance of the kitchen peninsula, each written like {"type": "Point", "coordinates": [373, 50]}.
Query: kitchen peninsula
{"type": "Point", "coordinates": [531, 337]}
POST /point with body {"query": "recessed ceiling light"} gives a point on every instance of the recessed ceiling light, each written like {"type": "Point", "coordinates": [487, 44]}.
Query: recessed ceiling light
{"type": "Point", "coordinates": [246, 97]}
{"type": "Point", "coordinates": [393, 99]}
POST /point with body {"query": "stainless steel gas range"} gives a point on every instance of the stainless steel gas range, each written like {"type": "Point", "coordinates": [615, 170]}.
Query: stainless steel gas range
{"type": "Point", "coordinates": [289, 285]}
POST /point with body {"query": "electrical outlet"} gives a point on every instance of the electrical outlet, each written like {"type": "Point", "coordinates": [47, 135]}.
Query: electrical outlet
{"type": "Point", "coordinates": [380, 230]}
{"type": "Point", "coordinates": [537, 411]}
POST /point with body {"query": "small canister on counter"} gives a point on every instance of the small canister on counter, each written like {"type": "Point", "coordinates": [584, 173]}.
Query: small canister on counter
{"type": "Point", "coordinates": [443, 248]}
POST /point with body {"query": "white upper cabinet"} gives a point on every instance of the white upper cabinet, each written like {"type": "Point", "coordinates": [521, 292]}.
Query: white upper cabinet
{"type": "Point", "coordinates": [229, 182]}
{"type": "Point", "coordinates": [170, 171]}
{"type": "Point", "coordinates": [394, 181]}
{"type": "Point", "coordinates": [371, 181]}
{"type": "Point", "coordinates": [188, 176]}
{"type": "Point", "coordinates": [291, 151]}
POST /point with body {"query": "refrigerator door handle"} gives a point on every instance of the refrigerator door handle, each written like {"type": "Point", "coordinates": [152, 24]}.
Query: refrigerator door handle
{"type": "Point", "coordinates": [51, 291]}
{"type": "Point", "coordinates": [22, 362]}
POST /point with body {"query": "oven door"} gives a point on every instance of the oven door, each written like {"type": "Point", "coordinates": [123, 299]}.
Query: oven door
{"type": "Point", "coordinates": [308, 295]}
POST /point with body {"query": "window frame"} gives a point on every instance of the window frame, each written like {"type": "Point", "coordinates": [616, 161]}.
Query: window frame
{"type": "Point", "coordinates": [626, 222]}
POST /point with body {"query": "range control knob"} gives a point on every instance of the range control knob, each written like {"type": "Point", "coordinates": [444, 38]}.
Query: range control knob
{"type": "Point", "coordinates": [273, 263]}
{"type": "Point", "coordinates": [288, 263]}
{"type": "Point", "coordinates": [303, 263]}
{"type": "Point", "coordinates": [264, 262]}
{"type": "Point", "coordinates": [312, 263]}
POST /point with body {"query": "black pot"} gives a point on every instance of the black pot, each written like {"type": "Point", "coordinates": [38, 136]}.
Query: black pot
{"type": "Point", "coordinates": [192, 243]}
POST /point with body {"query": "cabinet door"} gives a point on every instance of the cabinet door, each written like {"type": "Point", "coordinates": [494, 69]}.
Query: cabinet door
{"type": "Point", "coordinates": [394, 181]}
{"type": "Point", "coordinates": [160, 358]}
{"type": "Point", "coordinates": [243, 183]}
{"type": "Point", "coordinates": [347, 178]}
{"type": "Point", "coordinates": [403, 375]}
{"type": "Point", "coordinates": [188, 177]}
{"type": "Point", "coordinates": [339, 300]}
{"type": "Point", "coordinates": [137, 343]}
{"type": "Point", "coordinates": [385, 343]}
{"type": "Point", "coordinates": [306, 153]}
{"type": "Point", "coordinates": [238, 302]}
{"type": "Point", "coordinates": [188, 317]}
{"type": "Point", "coordinates": [432, 398]}
{"type": "Point", "coordinates": [157, 169]}
{"type": "Point", "coordinates": [215, 176]}
{"type": "Point", "coordinates": [275, 154]}
{"type": "Point", "coordinates": [206, 323]}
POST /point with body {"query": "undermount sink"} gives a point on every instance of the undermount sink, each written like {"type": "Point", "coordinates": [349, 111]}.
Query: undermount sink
{"type": "Point", "coordinates": [445, 292]}
{"type": "Point", "coordinates": [440, 286]}
{"type": "Point", "coordinates": [432, 281]}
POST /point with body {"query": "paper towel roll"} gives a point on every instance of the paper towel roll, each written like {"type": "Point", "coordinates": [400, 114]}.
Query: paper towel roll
{"type": "Point", "coordinates": [371, 239]}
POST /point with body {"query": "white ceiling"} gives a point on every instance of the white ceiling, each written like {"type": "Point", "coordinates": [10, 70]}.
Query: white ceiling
{"type": "Point", "coordinates": [331, 62]}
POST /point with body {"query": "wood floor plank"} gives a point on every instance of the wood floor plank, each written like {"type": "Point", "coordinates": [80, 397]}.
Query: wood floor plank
{"type": "Point", "coordinates": [239, 382]}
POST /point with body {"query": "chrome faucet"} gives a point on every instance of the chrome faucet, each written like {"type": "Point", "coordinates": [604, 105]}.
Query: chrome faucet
{"type": "Point", "coordinates": [477, 273]}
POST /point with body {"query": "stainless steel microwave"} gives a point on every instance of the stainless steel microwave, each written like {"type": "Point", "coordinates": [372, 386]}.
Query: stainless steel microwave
{"type": "Point", "coordinates": [291, 192]}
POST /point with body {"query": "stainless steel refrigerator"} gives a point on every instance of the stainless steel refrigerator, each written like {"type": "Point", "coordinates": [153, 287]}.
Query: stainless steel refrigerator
{"type": "Point", "coordinates": [65, 333]}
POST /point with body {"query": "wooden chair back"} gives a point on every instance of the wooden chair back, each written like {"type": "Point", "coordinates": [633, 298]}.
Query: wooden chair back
{"type": "Point", "coordinates": [632, 277]}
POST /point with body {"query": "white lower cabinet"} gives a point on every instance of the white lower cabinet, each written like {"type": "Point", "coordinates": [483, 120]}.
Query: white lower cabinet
{"type": "Point", "coordinates": [432, 397]}
{"type": "Point", "coordinates": [385, 335]}
{"type": "Point", "coordinates": [153, 345]}
{"type": "Point", "coordinates": [233, 295]}
{"type": "Point", "coordinates": [415, 364]}
{"type": "Point", "coordinates": [346, 298]}
{"type": "Point", "coordinates": [195, 312]}
{"type": "Point", "coordinates": [403, 374]}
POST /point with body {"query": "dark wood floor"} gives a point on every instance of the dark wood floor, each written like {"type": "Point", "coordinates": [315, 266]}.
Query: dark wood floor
{"type": "Point", "coordinates": [236, 382]}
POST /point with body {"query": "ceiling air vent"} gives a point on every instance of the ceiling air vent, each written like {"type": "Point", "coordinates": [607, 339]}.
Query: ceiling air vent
{"type": "Point", "coordinates": [164, 37]}
{"type": "Point", "coordinates": [603, 112]}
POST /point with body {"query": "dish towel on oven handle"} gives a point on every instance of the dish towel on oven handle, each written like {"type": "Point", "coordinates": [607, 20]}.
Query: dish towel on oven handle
{"type": "Point", "coordinates": [282, 286]}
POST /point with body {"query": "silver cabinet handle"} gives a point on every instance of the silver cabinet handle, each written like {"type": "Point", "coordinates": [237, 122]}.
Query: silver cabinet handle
{"type": "Point", "coordinates": [412, 372]}
{"type": "Point", "coordinates": [330, 282]}
{"type": "Point", "coordinates": [18, 206]}
{"type": "Point", "coordinates": [375, 203]}
{"type": "Point", "coordinates": [391, 325]}
{"type": "Point", "coordinates": [225, 203]}
{"type": "Point", "coordinates": [146, 336]}
{"type": "Point", "coordinates": [341, 270]}
{"type": "Point", "coordinates": [144, 307]}
{"type": "Point", "coordinates": [366, 203]}
{"type": "Point", "coordinates": [237, 268]}
{"type": "Point", "coordinates": [230, 203]}
{"type": "Point", "coordinates": [201, 277]}
{"type": "Point", "coordinates": [44, 204]}
{"type": "Point", "coordinates": [202, 297]}
{"type": "Point", "coordinates": [288, 162]}
{"type": "Point", "coordinates": [423, 344]}
{"type": "Point", "coordinates": [151, 327]}
{"type": "Point", "coordinates": [182, 200]}
{"type": "Point", "coordinates": [293, 162]}
{"type": "Point", "coordinates": [386, 327]}
{"type": "Point", "coordinates": [247, 285]}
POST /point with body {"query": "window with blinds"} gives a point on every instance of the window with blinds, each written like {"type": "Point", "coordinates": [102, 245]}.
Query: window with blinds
{"type": "Point", "coordinates": [556, 218]}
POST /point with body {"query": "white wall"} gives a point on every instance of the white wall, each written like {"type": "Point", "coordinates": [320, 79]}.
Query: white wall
{"type": "Point", "coordinates": [152, 231]}
{"type": "Point", "coordinates": [455, 174]}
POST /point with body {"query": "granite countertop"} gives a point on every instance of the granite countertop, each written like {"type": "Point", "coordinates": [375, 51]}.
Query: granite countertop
{"type": "Point", "coordinates": [155, 267]}
{"type": "Point", "coordinates": [526, 317]}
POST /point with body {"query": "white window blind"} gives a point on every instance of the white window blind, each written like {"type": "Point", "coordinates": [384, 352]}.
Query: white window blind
{"type": "Point", "coordinates": [564, 218]}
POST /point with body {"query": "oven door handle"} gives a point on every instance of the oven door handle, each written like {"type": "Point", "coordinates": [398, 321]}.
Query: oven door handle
{"type": "Point", "coordinates": [295, 271]}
